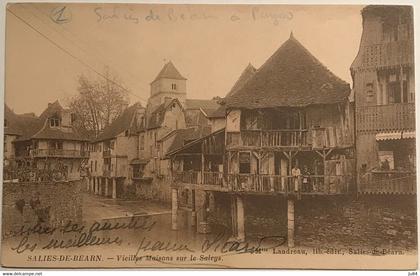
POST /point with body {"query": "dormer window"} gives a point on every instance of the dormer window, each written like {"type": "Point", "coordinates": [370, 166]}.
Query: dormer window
{"type": "Point", "coordinates": [174, 86]}
{"type": "Point", "coordinates": [54, 122]}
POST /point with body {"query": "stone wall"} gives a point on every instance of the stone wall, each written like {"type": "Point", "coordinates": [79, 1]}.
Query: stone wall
{"type": "Point", "coordinates": [158, 189]}
{"type": "Point", "coordinates": [376, 221]}
{"type": "Point", "coordinates": [52, 203]}
{"type": "Point", "coordinates": [388, 221]}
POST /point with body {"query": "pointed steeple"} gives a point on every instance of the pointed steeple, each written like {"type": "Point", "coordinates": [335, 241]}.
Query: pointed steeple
{"type": "Point", "coordinates": [246, 74]}
{"type": "Point", "coordinates": [169, 71]}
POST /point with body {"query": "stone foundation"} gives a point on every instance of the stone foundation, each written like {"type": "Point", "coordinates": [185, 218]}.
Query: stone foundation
{"type": "Point", "coordinates": [158, 189]}
{"type": "Point", "coordinates": [387, 221]}
{"type": "Point", "coordinates": [51, 203]}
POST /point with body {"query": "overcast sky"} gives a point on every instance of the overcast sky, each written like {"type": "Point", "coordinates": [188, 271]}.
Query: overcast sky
{"type": "Point", "coordinates": [210, 45]}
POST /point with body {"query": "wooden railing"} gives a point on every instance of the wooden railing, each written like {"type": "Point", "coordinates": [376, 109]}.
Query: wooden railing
{"type": "Point", "coordinates": [190, 177]}
{"type": "Point", "coordinates": [316, 138]}
{"type": "Point", "coordinates": [391, 182]}
{"type": "Point", "coordinates": [313, 184]}
{"type": "Point", "coordinates": [137, 174]}
{"type": "Point", "coordinates": [213, 178]}
{"type": "Point", "coordinates": [107, 173]}
{"type": "Point", "coordinates": [398, 116]}
{"type": "Point", "coordinates": [59, 153]}
{"type": "Point", "coordinates": [106, 153]}
{"type": "Point", "coordinates": [268, 138]}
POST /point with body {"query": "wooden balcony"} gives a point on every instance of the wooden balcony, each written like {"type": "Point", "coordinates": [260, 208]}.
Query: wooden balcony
{"type": "Point", "coordinates": [106, 153]}
{"type": "Point", "coordinates": [390, 117]}
{"type": "Point", "coordinates": [265, 184]}
{"type": "Point", "coordinates": [59, 153]}
{"type": "Point", "coordinates": [137, 175]}
{"type": "Point", "coordinates": [107, 173]}
{"type": "Point", "coordinates": [391, 182]}
{"type": "Point", "coordinates": [317, 138]}
{"type": "Point", "coordinates": [190, 177]}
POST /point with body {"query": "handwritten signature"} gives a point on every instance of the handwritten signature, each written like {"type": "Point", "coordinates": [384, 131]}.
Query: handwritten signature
{"type": "Point", "coordinates": [173, 15]}
{"type": "Point", "coordinates": [85, 236]}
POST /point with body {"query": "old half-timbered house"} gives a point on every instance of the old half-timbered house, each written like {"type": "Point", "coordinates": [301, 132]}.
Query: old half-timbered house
{"type": "Point", "coordinates": [383, 77]}
{"type": "Point", "coordinates": [44, 148]}
{"type": "Point", "coordinates": [289, 131]}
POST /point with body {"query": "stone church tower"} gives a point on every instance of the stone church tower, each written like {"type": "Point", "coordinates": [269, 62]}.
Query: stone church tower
{"type": "Point", "coordinates": [168, 84]}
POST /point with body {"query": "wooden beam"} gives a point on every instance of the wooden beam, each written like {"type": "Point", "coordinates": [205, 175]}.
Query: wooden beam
{"type": "Point", "coordinates": [328, 152]}
{"type": "Point", "coordinates": [256, 154]}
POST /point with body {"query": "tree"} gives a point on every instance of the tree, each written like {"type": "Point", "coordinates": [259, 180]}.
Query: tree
{"type": "Point", "coordinates": [98, 102]}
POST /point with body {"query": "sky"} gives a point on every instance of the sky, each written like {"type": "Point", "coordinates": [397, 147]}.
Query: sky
{"type": "Point", "coordinates": [48, 46]}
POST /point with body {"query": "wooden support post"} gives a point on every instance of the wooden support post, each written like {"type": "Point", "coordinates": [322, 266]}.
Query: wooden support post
{"type": "Point", "coordinates": [193, 212]}
{"type": "Point", "coordinates": [326, 180]}
{"type": "Point", "coordinates": [87, 179]}
{"type": "Point", "coordinates": [202, 163]}
{"type": "Point", "coordinates": [106, 186]}
{"type": "Point", "coordinates": [401, 85]}
{"type": "Point", "coordinates": [290, 223]}
{"type": "Point", "coordinates": [114, 188]}
{"type": "Point", "coordinates": [174, 209]}
{"type": "Point", "coordinates": [240, 218]}
{"type": "Point", "coordinates": [97, 186]}
{"type": "Point", "coordinates": [100, 186]}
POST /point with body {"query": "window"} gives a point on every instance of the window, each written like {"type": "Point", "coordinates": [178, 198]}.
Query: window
{"type": "Point", "coordinates": [55, 144]}
{"type": "Point", "coordinates": [73, 117]}
{"type": "Point", "coordinates": [112, 144]}
{"type": "Point", "coordinates": [55, 121]}
{"type": "Point", "coordinates": [91, 165]}
{"type": "Point", "coordinates": [141, 141]}
{"type": "Point", "coordinates": [174, 86]}
{"type": "Point", "coordinates": [244, 162]}
{"type": "Point", "coordinates": [6, 123]}
{"type": "Point", "coordinates": [155, 139]}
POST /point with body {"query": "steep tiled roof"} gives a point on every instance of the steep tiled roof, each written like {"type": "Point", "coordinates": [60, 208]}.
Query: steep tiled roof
{"type": "Point", "coordinates": [207, 106]}
{"type": "Point", "coordinates": [155, 119]}
{"type": "Point", "coordinates": [183, 136]}
{"type": "Point", "coordinates": [48, 132]}
{"type": "Point", "coordinates": [21, 125]}
{"type": "Point", "coordinates": [179, 147]}
{"type": "Point", "coordinates": [169, 71]}
{"type": "Point", "coordinates": [122, 123]}
{"type": "Point", "coordinates": [53, 108]}
{"type": "Point", "coordinates": [246, 75]}
{"type": "Point", "coordinates": [28, 126]}
{"type": "Point", "coordinates": [292, 76]}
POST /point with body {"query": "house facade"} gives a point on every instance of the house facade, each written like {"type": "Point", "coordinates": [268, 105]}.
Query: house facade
{"type": "Point", "coordinates": [283, 136]}
{"type": "Point", "coordinates": [128, 159]}
{"type": "Point", "coordinates": [43, 148]}
{"type": "Point", "coordinates": [384, 95]}
{"type": "Point", "coordinates": [111, 153]}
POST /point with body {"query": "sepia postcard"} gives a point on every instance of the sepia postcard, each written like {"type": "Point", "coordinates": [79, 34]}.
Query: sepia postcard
{"type": "Point", "coordinates": [209, 136]}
